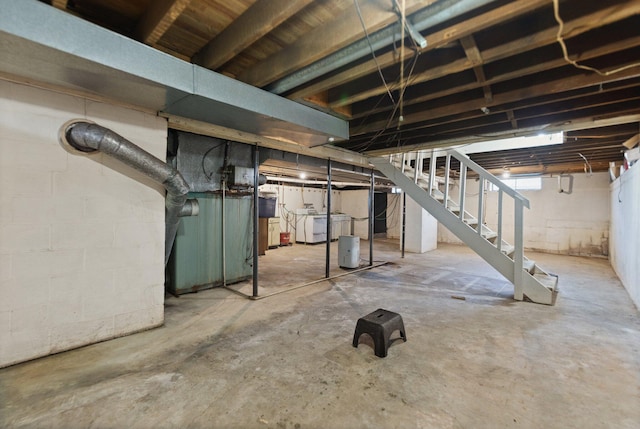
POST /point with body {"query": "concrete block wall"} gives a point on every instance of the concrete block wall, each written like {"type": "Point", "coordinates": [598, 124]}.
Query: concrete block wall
{"type": "Point", "coordinates": [81, 237]}
{"type": "Point", "coordinates": [572, 224]}
{"type": "Point", "coordinates": [625, 231]}
{"type": "Point", "coordinates": [295, 197]}
{"type": "Point", "coordinates": [421, 230]}
{"type": "Point", "coordinates": [355, 203]}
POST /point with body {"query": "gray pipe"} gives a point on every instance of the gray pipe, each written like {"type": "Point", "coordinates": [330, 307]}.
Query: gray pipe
{"type": "Point", "coordinates": [88, 137]}
{"type": "Point", "coordinates": [191, 208]}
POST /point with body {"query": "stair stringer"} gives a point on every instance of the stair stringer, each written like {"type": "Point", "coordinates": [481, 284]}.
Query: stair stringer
{"type": "Point", "coordinates": [532, 288]}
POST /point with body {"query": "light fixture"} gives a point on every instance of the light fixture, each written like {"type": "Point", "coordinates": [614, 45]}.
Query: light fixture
{"type": "Point", "coordinates": [506, 173]}
{"type": "Point", "coordinates": [303, 175]}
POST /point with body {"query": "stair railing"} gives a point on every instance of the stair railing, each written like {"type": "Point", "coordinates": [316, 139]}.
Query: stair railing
{"type": "Point", "coordinates": [466, 164]}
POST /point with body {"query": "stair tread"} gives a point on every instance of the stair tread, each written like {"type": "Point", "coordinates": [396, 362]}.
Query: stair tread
{"type": "Point", "coordinates": [507, 249]}
{"type": "Point", "coordinates": [539, 286]}
{"type": "Point", "coordinates": [547, 280]}
{"type": "Point", "coordinates": [529, 265]}
{"type": "Point", "coordinates": [489, 235]}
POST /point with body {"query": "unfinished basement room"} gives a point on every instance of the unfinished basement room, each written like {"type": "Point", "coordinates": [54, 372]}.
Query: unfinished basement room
{"type": "Point", "coordinates": [300, 214]}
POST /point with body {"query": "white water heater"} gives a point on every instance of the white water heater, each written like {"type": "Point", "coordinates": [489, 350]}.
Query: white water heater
{"type": "Point", "coordinates": [349, 251]}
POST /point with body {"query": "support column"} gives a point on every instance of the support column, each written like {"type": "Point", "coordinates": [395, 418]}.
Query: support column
{"type": "Point", "coordinates": [328, 255]}
{"type": "Point", "coordinates": [403, 236]}
{"type": "Point", "coordinates": [371, 190]}
{"type": "Point", "coordinates": [256, 217]}
{"type": "Point", "coordinates": [421, 229]}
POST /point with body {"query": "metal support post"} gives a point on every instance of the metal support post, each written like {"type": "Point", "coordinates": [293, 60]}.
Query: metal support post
{"type": "Point", "coordinates": [463, 186]}
{"type": "Point", "coordinates": [328, 256]}
{"type": "Point", "coordinates": [499, 239]}
{"type": "Point", "coordinates": [256, 217]}
{"type": "Point", "coordinates": [518, 255]}
{"type": "Point", "coordinates": [447, 164]}
{"type": "Point", "coordinates": [432, 170]}
{"type": "Point", "coordinates": [480, 204]}
{"type": "Point", "coordinates": [224, 238]}
{"type": "Point", "coordinates": [404, 220]}
{"type": "Point", "coordinates": [371, 209]}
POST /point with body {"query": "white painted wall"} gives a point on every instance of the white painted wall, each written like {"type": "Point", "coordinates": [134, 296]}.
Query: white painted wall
{"type": "Point", "coordinates": [355, 203]}
{"type": "Point", "coordinates": [81, 237]}
{"type": "Point", "coordinates": [573, 224]}
{"type": "Point", "coordinates": [625, 230]}
{"type": "Point", "coordinates": [421, 231]}
{"type": "Point", "coordinates": [290, 198]}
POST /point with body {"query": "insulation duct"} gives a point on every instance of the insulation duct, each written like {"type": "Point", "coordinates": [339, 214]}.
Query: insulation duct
{"type": "Point", "coordinates": [88, 137]}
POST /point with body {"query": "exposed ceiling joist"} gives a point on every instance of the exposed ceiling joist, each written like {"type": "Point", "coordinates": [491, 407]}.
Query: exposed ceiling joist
{"type": "Point", "coordinates": [442, 143]}
{"type": "Point", "coordinates": [60, 4]}
{"type": "Point", "coordinates": [158, 18]}
{"type": "Point", "coordinates": [262, 17]}
{"type": "Point", "coordinates": [473, 54]}
{"type": "Point", "coordinates": [555, 86]}
{"type": "Point", "coordinates": [531, 69]}
{"type": "Point", "coordinates": [326, 39]}
{"type": "Point", "coordinates": [632, 142]}
{"type": "Point", "coordinates": [539, 39]}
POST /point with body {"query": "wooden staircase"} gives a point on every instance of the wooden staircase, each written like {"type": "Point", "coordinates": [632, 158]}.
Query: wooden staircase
{"type": "Point", "coordinates": [433, 194]}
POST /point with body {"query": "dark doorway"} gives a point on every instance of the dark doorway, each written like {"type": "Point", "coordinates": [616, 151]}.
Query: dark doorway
{"type": "Point", "coordinates": [379, 212]}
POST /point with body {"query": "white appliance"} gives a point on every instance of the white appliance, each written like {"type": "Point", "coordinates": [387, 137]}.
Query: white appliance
{"type": "Point", "coordinates": [349, 251]}
{"type": "Point", "coordinates": [274, 232]}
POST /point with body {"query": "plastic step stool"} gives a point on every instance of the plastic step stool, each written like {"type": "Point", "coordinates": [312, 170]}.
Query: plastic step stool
{"type": "Point", "coordinates": [380, 325]}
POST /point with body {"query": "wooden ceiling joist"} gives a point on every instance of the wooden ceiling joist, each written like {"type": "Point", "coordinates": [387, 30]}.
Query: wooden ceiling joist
{"type": "Point", "coordinates": [326, 39]}
{"type": "Point", "coordinates": [523, 71]}
{"type": "Point", "coordinates": [533, 41]}
{"type": "Point", "coordinates": [262, 17]}
{"type": "Point", "coordinates": [158, 18]}
{"type": "Point", "coordinates": [435, 40]}
{"type": "Point", "coordinates": [558, 85]}
{"type": "Point", "coordinates": [60, 4]}
{"type": "Point", "coordinates": [632, 142]}
{"type": "Point", "coordinates": [475, 57]}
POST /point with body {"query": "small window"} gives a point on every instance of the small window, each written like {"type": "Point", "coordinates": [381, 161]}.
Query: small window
{"type": "Point", "coordinates": [520, 183]}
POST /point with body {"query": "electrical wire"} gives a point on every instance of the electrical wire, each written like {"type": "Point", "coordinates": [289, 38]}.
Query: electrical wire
{"type": "Point", "coordinates": [212, 148]}
{"type": "Point", "coordinates": [366, 144]}
{"type": "Point", "coordinates": [373, 54]}
{"type": "Point", "coordinates": [586, 163]}
{"type": "Point", "coordinates": [560, 39]}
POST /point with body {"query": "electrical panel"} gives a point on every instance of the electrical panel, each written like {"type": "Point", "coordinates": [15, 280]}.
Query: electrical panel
{"type": "Point", "coordinates": [240, 176]}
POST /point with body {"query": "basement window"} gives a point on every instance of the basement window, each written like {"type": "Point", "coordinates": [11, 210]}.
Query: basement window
{"type": "Point", "coordinates": [520, 184]}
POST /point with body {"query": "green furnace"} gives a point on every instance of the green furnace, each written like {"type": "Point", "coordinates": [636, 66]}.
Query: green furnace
{"type": "Point", "coordinates": [196, 261]}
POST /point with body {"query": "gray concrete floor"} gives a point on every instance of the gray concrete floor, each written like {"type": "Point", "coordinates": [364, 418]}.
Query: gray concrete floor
{"type": "Point", "coordinates": [223, 361]}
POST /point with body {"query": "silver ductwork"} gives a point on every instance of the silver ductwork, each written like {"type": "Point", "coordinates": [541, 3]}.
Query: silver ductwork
{"type": "Point", "coordinates": [88, 137]}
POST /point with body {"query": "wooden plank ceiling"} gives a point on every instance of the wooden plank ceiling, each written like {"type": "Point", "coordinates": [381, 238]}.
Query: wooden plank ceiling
{"type": "Point", "coordinates": [489, 68]}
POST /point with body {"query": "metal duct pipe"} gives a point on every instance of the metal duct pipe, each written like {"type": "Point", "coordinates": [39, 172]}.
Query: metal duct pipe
{"type": "Point", "coordinates": [190, 208]}
{"type": "Point", "coordinates": [432, 15]}
{"type": "Point", "coordinates": [88, 137]}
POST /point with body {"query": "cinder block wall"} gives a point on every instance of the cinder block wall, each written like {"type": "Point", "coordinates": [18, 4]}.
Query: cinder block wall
{"type": "Point", "coordinates": [295, 197]}
{"type": "Point", "coordinates": [625, 231]}
{"type": "Point", "coordinates": [81, 237]}
{"type": "Point", "coordinates": [573, 224]}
